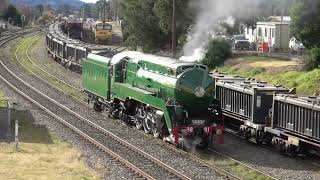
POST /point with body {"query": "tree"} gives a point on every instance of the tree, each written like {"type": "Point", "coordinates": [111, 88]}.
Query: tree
{"type": "Point", "coordinates": [141, 25]}
{"type": "Point", "coordinates": [305, 22]}
{"type": "Point", "coordinates": [184, 17]}
{"type": "Point", "coordinates": [12, 13]}
{"type": "Point", "coordinates": [147, 23]}
{"type": "Point", "coordinates": [65, 9]}
{"type": "Point", "coordinates": [218, 51]}
{"type": "Point", "coordinates": [103, 9]}
{"type": "Point", "coordinates": [38, 11]}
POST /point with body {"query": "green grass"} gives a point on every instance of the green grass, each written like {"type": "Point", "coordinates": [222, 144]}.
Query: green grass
{"type": "Point", "coordinates": [306, 82]}
{"type": "Point", "coordinates": [26, 42]}
{"type": "Point", "coordinates": [41, 155]}
{"type": "Point", "coordinates": [3, 99]}
{"type": "Point", "coordinates": [231, 166]}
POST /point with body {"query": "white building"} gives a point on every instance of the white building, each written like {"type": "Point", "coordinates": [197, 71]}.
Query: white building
{"type": "Point", "coordinates": [275, 32]}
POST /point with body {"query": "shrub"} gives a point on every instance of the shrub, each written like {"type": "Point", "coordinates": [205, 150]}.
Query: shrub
{"type": "Point", "coordinates": [218, 51]}
{"type": "Point", "coordinates": [315, 56]}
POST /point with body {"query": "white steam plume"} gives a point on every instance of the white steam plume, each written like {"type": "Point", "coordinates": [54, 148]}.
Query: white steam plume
{"type": "Point", "coordinates": [210, 11]}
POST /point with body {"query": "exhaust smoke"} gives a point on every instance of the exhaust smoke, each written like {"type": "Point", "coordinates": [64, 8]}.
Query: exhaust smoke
{"type": "Point", "coordinates": [210, 13]}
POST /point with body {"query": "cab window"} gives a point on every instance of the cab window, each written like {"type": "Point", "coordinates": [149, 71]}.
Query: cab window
{"type": "Point", "coordinates": [99, 27]}
{"type": "Point", "coordinates": [107, 27]}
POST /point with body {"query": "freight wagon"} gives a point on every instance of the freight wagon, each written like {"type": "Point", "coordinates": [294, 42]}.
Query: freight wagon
{"type": "Point", "coordinates": [295, 122]}
{"type": "Point", "coordinates": [70, 52]}
{"type": "Point", "coordinates": [74, 28]}
{"type": "Point", "coordinates": [225, 77]}
{"type": "Point", "coordinates": [248, 102]}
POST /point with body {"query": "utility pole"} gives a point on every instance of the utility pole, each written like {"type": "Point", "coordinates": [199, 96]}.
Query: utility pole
{"type": "Point", "coordinates": [83, 11]}
{"type": "Point", "coordinates": [174, 39]}
{"type": "Point", "coordinates": [104, 10]}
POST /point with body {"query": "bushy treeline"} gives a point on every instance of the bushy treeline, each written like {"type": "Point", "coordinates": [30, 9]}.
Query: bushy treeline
{"type": "Point", "coordinates": [305, 25]}
{"type": "Point", "coordinates": [148, 23]}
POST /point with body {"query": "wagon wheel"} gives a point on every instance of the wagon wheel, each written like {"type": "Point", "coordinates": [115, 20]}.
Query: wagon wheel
{"type": "Point", "coordinates": [147, 122]}
{"type": "Point", "coordinates": [139, 116]}
{"type": "Point", "coordinates": [157, 125]}
{"type": "Point", "coordinates": [90, 102]}
{"type": "Point", "coordinates": [155, 130]}
{"type": "Point", "coordinates": [105, 110]}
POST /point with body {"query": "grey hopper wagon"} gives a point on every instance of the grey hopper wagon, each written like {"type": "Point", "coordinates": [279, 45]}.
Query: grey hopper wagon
{"type": "Point", "coordinates": [295, 120]}
{"type": "Point", "coordinates": [248, 102]}
{"type": "Point", "coordinates": [69, 52]}
{"type": "Point", "coordinates": [225, 77]}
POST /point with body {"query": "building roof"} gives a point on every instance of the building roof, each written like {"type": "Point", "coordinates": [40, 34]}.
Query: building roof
{"type": "Point", "coordinates": [279, 18]}
{"type": "Point", "coordinates": [273, 23]}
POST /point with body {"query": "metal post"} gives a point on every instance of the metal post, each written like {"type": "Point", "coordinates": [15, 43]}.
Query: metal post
{"type": "Point", "coordinates": [16, 135]}
{"type": "Point", "coordinates": [9, 117]}
{"type": "Point", "coordinates": [174, 43]}
{"type": "Point", "coordinates": [23, 19]}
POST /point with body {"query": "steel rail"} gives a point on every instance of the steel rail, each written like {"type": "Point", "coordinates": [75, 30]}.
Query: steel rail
{"type": "Point", "coordinates": [118, 157]}
{"type": "Point", "coordinates": [34, 64]}
{"type": "Point", "coordinates": [48, 83]}
{"type": "Point", "coordinates": [239, 162]}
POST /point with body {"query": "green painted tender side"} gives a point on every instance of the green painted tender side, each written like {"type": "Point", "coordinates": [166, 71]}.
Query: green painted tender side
{"type": "Point", "coordinates": [95, 75]}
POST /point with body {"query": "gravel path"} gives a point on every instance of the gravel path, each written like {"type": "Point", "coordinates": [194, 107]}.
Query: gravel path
{"type": "Point", "coordinates": [273, 163]}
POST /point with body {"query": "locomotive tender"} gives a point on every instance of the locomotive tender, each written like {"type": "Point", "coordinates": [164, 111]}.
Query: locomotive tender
{"type": "Point", "coordinates": [165, 97]}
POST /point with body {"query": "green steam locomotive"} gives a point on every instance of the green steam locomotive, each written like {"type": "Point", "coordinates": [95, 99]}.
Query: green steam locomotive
{"type": "Point", "coordinates": [165, 97]}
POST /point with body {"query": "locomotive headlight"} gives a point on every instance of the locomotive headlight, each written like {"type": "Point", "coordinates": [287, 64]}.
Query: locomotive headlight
{"type": "Point", "coordinates": [219, 132]}
{"type": "Point", "coordinates": [199, 92]}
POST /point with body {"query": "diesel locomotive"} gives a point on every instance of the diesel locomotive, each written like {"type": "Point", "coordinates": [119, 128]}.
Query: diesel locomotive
{"type": "Point", "coordinates": [102, 32]}
{"type": "Point", "coordinates": [165, 97]}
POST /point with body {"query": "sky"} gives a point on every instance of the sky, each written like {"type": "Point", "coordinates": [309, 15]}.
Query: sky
{"type": "Point", "coordinates": [89, 1]}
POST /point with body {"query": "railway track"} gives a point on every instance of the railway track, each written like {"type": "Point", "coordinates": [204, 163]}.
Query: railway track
{"type": "Point", "coordinates": [51, 77]}
{"type": "Point", "coordinates": [199, 160]}
{"type": "Point", "coordinates": [142, 164]}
